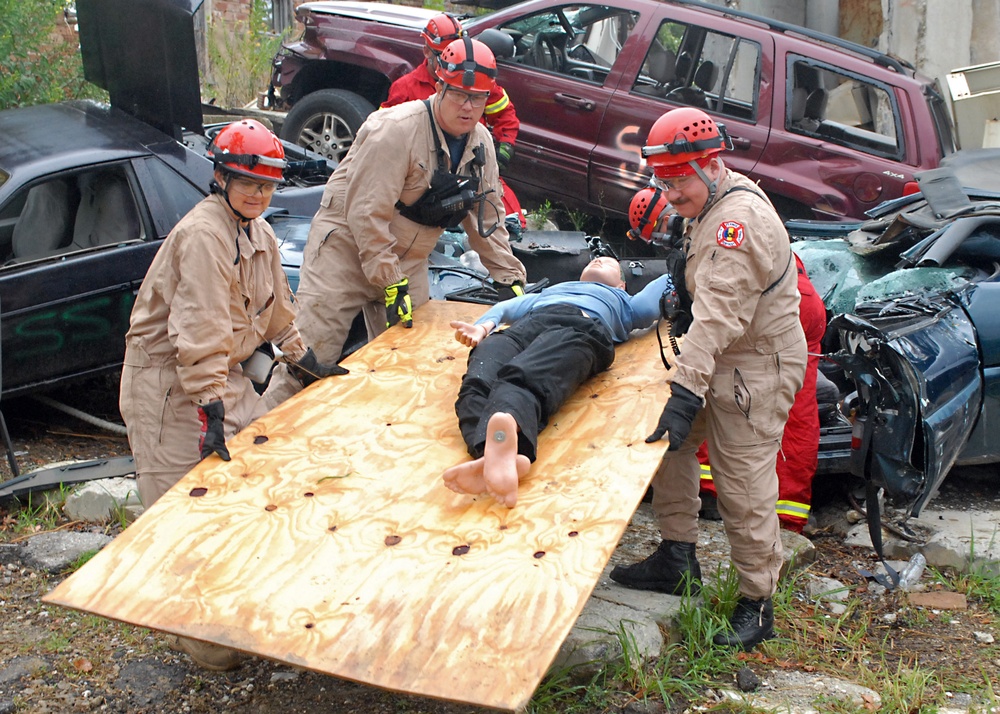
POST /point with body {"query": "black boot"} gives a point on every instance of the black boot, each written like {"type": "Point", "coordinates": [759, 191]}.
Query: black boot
{"type": "Point", "coordinates": [752, 623]}
{"type": "Point", "coordinates": [667, 570]}
{"type": "Point", "coordinates": [709, 508]}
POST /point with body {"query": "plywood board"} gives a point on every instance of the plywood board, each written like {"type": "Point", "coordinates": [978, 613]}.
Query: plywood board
{"type": "Point", "coordinates": [330, 543]}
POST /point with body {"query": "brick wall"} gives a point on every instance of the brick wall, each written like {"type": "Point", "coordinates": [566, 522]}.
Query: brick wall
{"type": "Point", "coordinates": [233, 11]}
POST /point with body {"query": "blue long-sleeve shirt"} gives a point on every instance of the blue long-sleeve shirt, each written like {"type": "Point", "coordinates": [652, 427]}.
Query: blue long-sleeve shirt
{"type": "Point", "coordinates": [616, 309]}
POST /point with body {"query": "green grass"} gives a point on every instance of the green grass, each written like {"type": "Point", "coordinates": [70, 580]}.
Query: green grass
{"type": "Point", "coordinates": [855, 645]}
{"type": "Point", "coordinates": [82, 560]}
{"type": "Point", "coordinates": [37, 513]}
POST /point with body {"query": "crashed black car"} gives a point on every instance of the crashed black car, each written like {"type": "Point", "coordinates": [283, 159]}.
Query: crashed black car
{"type": "Point", "coordinates": [914, 341]}
{"type": "Point", "coordinates": [88, 192]}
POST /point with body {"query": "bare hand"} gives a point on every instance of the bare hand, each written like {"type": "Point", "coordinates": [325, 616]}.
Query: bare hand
{"type": "Point", "coordinates": [468, 334]}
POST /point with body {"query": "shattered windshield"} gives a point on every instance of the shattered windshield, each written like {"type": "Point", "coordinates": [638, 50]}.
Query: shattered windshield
{"type": "Point", "coordinates": [845, 279]}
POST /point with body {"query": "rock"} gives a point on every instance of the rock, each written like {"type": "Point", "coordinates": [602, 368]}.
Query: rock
{"type": "Point", "coordinates": [820, 588]}
{"type": "Point", "coordinates": [149, 681]}
{"type": "Point", "coordinates": [938, 600]}
{"type": "Point", "coordinates": [22, 667]}
{"type": "Point", "coordinates": [288, 675]}
{"type": "Point", "coordinates": [984, 638]}
{"type": "Point", "coordinates": [55, 552]}
{"type": "Point", "coordinates": [101, 500]}
{"type": "Point", "coordinates": [747, 680]}
{"type": "Point", "coordinates": [797, 552]}
{"type": "Point", "coordinates": [648, 706]}
{"type": "Point", "coordinates": [606, 632]}
{"type": "Point", "coordinates": [791, 691]}
{"type": "Point", "coordinates": [10, 553]}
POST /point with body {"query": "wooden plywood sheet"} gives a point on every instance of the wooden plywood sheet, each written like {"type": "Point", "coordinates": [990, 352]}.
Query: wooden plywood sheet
{"type": "Point", "coordinates": [329, 541]}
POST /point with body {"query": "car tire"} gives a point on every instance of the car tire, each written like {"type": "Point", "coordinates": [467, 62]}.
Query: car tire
{"type": "Point", "coordinates": [326, 121]}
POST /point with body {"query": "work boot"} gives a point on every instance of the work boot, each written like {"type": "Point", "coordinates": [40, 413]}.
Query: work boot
{"type": "Point", "coordinates": [709, 508]}
{"type": "Point", "coordinates": [752, 623]}
{"type": "Point", "coordinates": [207, 656]}
{"type": "Point", "coordinates": [668, 570]}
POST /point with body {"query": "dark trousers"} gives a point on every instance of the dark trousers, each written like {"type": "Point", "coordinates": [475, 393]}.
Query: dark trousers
{"type": "Point", "coordinates": [529, 370]}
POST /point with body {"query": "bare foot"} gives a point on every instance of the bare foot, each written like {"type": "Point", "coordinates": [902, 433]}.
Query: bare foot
{"type": "Point", "coordinates": [503, 467]}
{"type": "Point", "coordinates": [466, 478]}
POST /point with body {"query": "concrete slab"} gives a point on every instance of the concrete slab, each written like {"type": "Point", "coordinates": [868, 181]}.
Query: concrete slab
{"type": "Point", "coordinates": [960, 539]}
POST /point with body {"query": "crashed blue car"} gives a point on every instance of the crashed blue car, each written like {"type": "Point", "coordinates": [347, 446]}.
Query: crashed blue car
{"type": "Point", "coordinates": [914, 339]}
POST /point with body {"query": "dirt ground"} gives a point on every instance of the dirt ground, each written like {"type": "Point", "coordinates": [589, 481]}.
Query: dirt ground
{"type": "Point", "coordinates": [54, 660]}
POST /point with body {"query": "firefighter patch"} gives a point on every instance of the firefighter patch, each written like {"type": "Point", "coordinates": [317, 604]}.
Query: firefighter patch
{"type": "Point", "coordinates": [730, 234]}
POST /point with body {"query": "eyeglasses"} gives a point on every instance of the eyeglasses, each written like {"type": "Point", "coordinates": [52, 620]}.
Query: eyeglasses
{"type": "Point", "coordinates": [460, 98]}
{"type": "Point", "coordinates": [673, 184]}
{"type": "Point", "coordinates": [252, 188]}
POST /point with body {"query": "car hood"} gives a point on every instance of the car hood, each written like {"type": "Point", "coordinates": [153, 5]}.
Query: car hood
{"type": "Point", "coordinates": [143, 53]}
{"type": "Point", "coordinates": [400, 15]}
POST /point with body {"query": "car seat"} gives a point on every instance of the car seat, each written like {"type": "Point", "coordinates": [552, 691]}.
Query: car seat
{"type": "Point", "coordinates": [660, 67]}
{"type": "Point", "coordinates": [107, 213]}
{"type": "Point", "coordinates": [43, 227]}
{"type": "Point", "coordinates": [797, 107]}
{"type": "Point", "coordinates": [814, 111]}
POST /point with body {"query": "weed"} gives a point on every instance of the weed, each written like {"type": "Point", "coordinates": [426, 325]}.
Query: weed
{"type": "Point", "coordinates": [81, 560]}
{"type": "Point", "coordinates": [39, 66]}
{"type": "Point", "coordinates": [980, 583]}
{"type": "Point", "coordinates": [39, 512]}
{"type": "Point", "coordinates": [239, 57]}
{"type": "Point", "coordinates": [56, 642]}
{"type": "Point", "coordinates": [537, 218]}
{"type": "Point", "coordinates": [905, 689]}
{"type": "Point", "coordinates": [579, 219]}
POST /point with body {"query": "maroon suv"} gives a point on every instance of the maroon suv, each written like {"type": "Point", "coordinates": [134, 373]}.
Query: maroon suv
{"type": "Point", "coordinates": [829, 128]}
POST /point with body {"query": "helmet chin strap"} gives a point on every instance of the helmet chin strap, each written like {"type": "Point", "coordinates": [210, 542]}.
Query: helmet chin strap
{"type": "Point", "coordinates": [713, 184]}
{"type": "Point", "coordinates": [216, 188]}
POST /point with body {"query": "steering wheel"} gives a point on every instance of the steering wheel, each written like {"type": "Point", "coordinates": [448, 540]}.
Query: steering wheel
{"type": "Point", "coordinates": [545, 53]}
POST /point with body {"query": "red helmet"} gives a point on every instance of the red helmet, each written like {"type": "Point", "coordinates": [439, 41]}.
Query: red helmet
{"type": "Point", "coordinates": [248, 148]}
{"type": "Point", "coordinates": [680, 137]}
{"type": "Point", "coordinates": [468, 64]}
{"type": "Point", "coordinates": [644, 212]}
{"type": "Point", "coordinates": [442, 30]}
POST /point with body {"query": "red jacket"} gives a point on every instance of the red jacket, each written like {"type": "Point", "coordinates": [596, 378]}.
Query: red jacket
{"type": "Point", "coordinates": [499, 115]}
{"type": "Point", "coordinates": [799, 454]}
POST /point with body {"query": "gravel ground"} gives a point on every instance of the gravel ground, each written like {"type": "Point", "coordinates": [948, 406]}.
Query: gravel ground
{"type": "Point", "coordinates": [53, 660]}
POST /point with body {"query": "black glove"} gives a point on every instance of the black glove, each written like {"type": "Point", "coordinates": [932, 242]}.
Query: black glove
{"type": "Point", "coordinates": [678, 414]}
{"type": "Point", "coordinates": [213, 436]}
{"type": "Point", "coordinates": [508, 292]}
{"type": "Point", "coordinates": [308, 369]}
{"type": "Point", "coordinates": [398, 305]}
{"type": "Point", "coordinates": [505, 152]}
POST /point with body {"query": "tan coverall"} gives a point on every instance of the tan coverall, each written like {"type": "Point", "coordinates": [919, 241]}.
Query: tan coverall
{"type": "Point", "coordinates": [745, 353]}
{"type": "Point", "coordinates": [359, 243]}
{"type": "Point", "coordinates": [213, 294]}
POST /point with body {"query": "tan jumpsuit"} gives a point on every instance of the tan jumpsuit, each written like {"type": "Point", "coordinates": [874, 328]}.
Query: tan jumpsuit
{"type": "Point", "coordinates": [359, 243]}
{"type": "Point", "coordinates": [213, 294]}
{"type": "Point", "coordinates": [745, 353]}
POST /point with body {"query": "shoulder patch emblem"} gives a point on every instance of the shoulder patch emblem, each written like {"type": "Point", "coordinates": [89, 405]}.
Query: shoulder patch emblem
{"type": "Point", "coordinates": [730, 234]}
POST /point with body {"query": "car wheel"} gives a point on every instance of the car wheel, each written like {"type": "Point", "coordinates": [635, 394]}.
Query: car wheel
{"type": "Point", "coordinates": [326, 121]}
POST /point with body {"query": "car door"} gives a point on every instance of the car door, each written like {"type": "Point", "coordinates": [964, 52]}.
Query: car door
{"type": "Point", "coordinates": [721, 69]}
{"type": "Point", "coordinates": [82, 242]}
{"type": "Point", "coordinates": [561, 78]}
